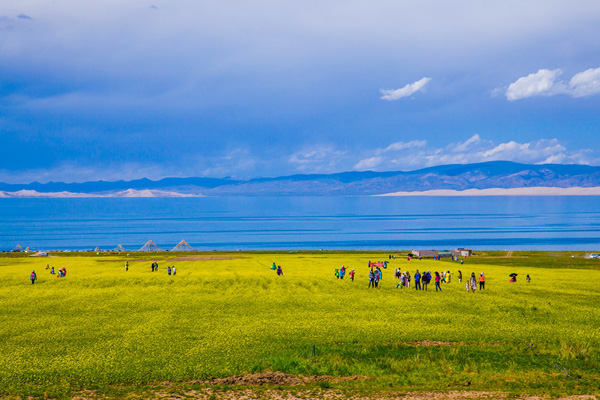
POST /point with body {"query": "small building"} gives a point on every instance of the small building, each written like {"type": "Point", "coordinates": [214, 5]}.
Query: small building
{"type": "Point", "coordinates": [425, 253]}
{"type": "Point", "coordinates": [463, 252]}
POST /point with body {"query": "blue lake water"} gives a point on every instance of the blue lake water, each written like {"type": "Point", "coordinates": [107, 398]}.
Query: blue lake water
{"type": "Point", "coordinates": [262, 223]}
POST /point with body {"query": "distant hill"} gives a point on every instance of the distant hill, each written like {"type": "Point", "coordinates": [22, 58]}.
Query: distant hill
{"type": "Point", "coordinates": [495, 174]}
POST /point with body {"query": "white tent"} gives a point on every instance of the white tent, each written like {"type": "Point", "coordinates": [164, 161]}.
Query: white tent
{"type": "Point", "coordinates": [150, 246]}
{"type": "Point", "coordinates": [119, 248]}
{"type": "Point", "coordinates": [183, 246]}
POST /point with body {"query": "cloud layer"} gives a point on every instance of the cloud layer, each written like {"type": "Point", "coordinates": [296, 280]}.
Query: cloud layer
{"type": "Point", "coordinates": [112, 89]}
{"type": "Point", "coordinates": [546, 83]}
{"type": "Point", "coordinates": [417, 154]}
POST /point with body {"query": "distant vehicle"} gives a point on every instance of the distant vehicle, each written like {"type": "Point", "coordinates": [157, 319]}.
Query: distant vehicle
{"type": "Point", "coordinates": [43, 254]}
{"type": "Point", "coordinates": [594, 255]}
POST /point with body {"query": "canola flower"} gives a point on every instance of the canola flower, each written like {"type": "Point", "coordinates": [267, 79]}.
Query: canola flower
{"type": "Point", "coordinates": [101, 325]}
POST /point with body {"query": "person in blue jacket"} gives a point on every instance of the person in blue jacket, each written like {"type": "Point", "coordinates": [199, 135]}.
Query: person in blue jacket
{"type": "Point", "coordinates": [33, 277]}
{"type": "Point", "coordinates": [417, 280]}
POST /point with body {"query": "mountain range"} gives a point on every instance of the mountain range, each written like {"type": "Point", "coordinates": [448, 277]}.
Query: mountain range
{"type": "Point", "coordinates": [458, 177]}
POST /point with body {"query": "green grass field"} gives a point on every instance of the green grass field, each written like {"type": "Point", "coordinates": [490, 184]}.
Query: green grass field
{"type": "Point", "coordinates": [115, 332]}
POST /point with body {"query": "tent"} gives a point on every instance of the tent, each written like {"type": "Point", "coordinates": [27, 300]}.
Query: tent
{"type": "Point", "coordinates": [183, 246]}
{"type": "Point", "coordinates": [119, 248]}
{"type": "Point", "coordinates": [150, 246]}
{"type": "Point", "coordinates": [17, 249]}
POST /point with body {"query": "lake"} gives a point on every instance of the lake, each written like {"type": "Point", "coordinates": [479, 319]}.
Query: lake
{"type": "Point", "coordinates": [277, 223]}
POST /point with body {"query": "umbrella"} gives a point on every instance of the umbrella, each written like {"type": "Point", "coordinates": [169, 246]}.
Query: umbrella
{"type": "Point", "coordinates": [513, 275]}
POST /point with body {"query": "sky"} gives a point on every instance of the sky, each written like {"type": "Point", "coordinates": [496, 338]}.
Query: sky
{"type": "Point", "coordinates": [129, 89]}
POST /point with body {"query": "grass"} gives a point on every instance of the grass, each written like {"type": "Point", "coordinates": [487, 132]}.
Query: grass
{"type": "Point", "coordinates": [104, 329]}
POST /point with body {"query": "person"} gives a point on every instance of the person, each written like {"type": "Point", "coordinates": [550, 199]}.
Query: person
{"type": "Point", "coordinates": [459, 276]}
{"type": "Point", "coordinates": [33, 277]}
{"type": "Point", "coordinates": [169, 270]}
{"type": "Point", "coordinates": [462, 262]}
{"type": "Point", "coordinates": [352, 275]}
{"type": "Point", "coordinates": [47, 266]}
{"type": "Point", "coordinates": [407, 279]}
{"type": "Point", "coordinates": [279, 270]}
{"type": "Point", "coordinates": [377, 276]}
{"type": "Point", "coordinates": [342, 272]}
{"type": "Point", "coordinates": [64, 271]}
{"type": "Point", "coordinates": [426, 279]}
{"type": "Point", "coordinates": [481, 281]}
{"type": "Point", "coordinates": [437, 281]}
{"type": "Point", "coordinates": [52, 271]}
{"type": "Point", "coordinates": [473, 282]}
{"type": "Point", "coordinates": [527, 278]}
{"type": "Point", "coordinates": [174, 270]}
{"type": "Point", "coordinates": [152, 267]}
{"type": "Point", "coordinates": [372, 278]}
{"type": "Point", "coordinates": [337, 273]}
{"type": "Point", "coordinates": [127, 266]}
{"type": "Point", "coordinates": [273, 267]}
{"type": "Point", "coordinates": [417, 280]}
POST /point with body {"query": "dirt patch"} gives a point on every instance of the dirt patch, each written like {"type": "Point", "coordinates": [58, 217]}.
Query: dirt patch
{"type": "Point", "coordinates": [39, 254]}
{"type": "Point", "coordinates": [333, 394]}
{"type": "Point", "coordinates": [428, 343]}
{"type": "Point", "coordinates": [424, 343]}
{"type": "Point", "coordinates": [278, 379]}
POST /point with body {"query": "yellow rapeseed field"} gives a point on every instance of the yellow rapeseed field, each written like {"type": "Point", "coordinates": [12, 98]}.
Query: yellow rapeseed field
{"type": "Point", "coordinates": [224, 314]}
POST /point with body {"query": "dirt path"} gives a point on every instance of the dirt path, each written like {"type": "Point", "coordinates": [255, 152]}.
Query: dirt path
{"type": "Point", "coordinates": [333, 394]}
{"type": "Point", "coordinates": [185, 258]}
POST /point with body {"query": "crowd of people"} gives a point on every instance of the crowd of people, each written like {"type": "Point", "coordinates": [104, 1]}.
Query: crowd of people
{"type": "Point", "coordinates": [340, 273]}
{"type": "Point", "coordinates": [375, 275]}
{"type": "Point", "coordinates": [420, 280]}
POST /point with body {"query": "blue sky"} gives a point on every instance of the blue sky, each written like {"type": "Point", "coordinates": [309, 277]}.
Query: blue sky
{"type": "Point", "coordinates": [123, 90]}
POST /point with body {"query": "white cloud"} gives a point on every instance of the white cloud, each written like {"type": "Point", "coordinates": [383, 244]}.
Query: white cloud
{"type": "Point", "coordinates": [368, 163]}
{"type": "Point", "coordinates": [409, 89]}
{"type": "Point", "coordinates": [318, 159]}
{"type": "Point", "coordinates": [473, 140]}
{"type": "Point", "coordinates": [585, 83]}
{"type": "Point", "coordinates": [545, 83]}
{"type": "Point", "coordinates": [473, 150]}
{"type": "Point", "coordinates": [405, 145]}
{"type": "Point", "coordinates": [541, 83]}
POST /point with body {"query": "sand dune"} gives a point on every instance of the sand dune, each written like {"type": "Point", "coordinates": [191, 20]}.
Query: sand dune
{"type": "Point", "coordinates": [528, 191]}
{"type": "Point", "coordinates": [124, 193]}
